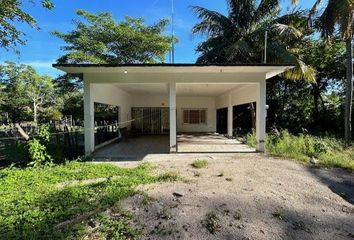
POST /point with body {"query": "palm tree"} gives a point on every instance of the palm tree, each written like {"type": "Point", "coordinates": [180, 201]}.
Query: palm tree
{"type": "Point", "coordinates": [338, 15]}
{"type": "Point", "coordinates": [239, 36]}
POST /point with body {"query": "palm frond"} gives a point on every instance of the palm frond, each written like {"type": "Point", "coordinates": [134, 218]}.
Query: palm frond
{"type": "Point", "coordinates": [212, 22]}
{"type": "Point", "coordinates": [286, 31]}
{"type": "Point", "coordinates": [266, 8]}
{"type": "Point", "coordinates": [301, 71]}
{"type": "Point", "coordinates": [241, 12]}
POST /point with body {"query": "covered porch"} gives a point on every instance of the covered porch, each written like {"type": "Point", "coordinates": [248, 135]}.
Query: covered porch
{"type": "Point", "coordinates": [149, 145]}
{"type": "Point", "coordinates": [167, 99]}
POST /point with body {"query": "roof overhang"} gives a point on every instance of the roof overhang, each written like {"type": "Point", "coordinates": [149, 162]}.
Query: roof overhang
{"type": "Point", "coordinates": [269, 70]}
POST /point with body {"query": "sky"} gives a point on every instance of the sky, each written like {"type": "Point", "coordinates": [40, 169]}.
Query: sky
{"type": "Point", "coordinates": [42, 48]}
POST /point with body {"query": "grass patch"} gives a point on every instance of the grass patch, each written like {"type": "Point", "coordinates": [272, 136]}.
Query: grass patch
{"type": "Point", "coordinates": [199, 163]}
{"type": "Point", "coordinates": [279, 215]}
{"type": "Point", "coordinates": [212, 223]}
{"type": "Point", "coordinates": [329, 152]}
{"type": "Point", "coordinates": [32, 204]}
{"type": "Point", "coordinates": [170, 176]}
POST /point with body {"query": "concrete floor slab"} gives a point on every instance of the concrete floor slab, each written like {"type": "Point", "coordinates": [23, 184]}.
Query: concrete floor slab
{"type": "Point", "coordinates": [210, 143]}
{"type": "Point", "coordinates": [150, 146]}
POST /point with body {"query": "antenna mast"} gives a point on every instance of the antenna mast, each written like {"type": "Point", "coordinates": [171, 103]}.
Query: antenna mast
{"type": "Point", "coordinates": [173, 32]}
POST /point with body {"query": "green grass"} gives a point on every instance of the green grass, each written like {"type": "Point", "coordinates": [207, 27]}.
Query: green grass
{"type": "Point", "coordinates": [330, 152]}
{"type": "Point", "coordinates": [34, 201]}
{"type": "Point", "coordinates": [199, 163]}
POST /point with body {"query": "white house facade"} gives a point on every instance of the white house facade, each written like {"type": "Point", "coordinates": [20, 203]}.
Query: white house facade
{"type": "Point", "coordinates": [178, 97]}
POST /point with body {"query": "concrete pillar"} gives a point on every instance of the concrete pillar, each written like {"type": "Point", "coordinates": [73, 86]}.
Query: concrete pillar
{"type": "Point", "coordinates": [261, 116]}
{"type": "Point", "coordinates": [88, 119]}
{"type": "Point", "coordinates": [230, 118]}
{"type": "Point", "coordinates": [173, 117]}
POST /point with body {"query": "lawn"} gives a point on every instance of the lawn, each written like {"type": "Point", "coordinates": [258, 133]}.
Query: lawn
{"type": "Point", "coordinates": [58, 202]}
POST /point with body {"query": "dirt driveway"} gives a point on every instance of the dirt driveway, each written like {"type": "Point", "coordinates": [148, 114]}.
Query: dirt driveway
{"type": "Point", "coordinates": [245, 196]}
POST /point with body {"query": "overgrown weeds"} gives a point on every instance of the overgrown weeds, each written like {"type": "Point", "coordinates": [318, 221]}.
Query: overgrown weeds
{"type": "Point", "coordinates": [32, 204]}
{"type": "Point", "coordinates": [328, 151]}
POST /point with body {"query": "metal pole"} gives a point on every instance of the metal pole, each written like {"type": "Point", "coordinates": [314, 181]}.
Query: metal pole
{"type": "Point", "coordinates": [173, 32]}
{"type": "Point", "coordinates": [265, 46]}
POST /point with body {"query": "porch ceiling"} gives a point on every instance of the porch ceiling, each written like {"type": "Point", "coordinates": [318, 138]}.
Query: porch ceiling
{"type": "Point", "coordinates": [183, 89]}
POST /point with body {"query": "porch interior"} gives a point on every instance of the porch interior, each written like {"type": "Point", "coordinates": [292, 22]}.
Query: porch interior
{"type": "Point", "coordinates": [140, 147]}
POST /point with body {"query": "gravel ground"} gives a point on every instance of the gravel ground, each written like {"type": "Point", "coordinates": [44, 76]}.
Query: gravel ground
{"type": "Point", "coordinates": [245, 196]}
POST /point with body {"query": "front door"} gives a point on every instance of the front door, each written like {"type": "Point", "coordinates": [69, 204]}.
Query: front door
{"type": "Point", "coordinates": [150, 120]}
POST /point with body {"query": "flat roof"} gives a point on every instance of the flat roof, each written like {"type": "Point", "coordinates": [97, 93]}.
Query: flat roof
{"type": "Point", "coordinates": [58, 65]}
{"type": "Point", "coordinates": [177, 68]}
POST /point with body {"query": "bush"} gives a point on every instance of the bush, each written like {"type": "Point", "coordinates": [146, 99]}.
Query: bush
{"type": "Point", "coordinates": [37, 147]}
{"type": "Point", "coordinates": [329, 151]}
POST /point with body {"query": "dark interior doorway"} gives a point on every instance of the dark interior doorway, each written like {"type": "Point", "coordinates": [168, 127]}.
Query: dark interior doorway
{"type": "Point", "coordinates": [150, 120]}
{"type": "Point", "coordinates": [221, 120]}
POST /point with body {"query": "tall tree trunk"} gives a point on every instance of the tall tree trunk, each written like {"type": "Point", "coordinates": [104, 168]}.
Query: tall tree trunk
{"type": "Point", "coordinates": [316, 97]}
{"type": "Point", "coordinates": [253, 115]}
{"type": "Point", "coordinates": [34, 112]}
{"type": "Point", "coordinates": [349, 94]}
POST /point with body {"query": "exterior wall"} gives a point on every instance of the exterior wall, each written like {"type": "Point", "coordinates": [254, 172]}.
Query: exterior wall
{"type": "Point", "coordinates": [150, 101]}
{"type": "Point", "coordinates": [196, 102]}
{"type": "Point", "coordinates": [246, 94]}
{"type": "Point", "coordinates": [183, 103]}
{"type": "Point", "coordinates": [110, 94]}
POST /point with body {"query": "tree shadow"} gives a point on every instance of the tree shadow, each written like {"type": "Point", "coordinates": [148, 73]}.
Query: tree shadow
{"type": "Point", "coordinates": [261, 219]}
{"type": "Point", "coordinates": [339, 181]}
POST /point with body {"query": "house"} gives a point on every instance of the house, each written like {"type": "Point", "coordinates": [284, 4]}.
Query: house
{"type": "Point", "coordinates": [174, 97]}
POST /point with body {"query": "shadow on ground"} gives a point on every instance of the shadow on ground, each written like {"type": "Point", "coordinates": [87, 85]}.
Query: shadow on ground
{"type": "Point", "coordinates": [341, 182]}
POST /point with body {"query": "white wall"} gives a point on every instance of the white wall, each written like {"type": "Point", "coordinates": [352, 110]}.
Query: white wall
{"type": "Point", "coordinates": [110, 94]}
{"type": "Point", "coordinates": [150, 101]}
{"type": "Point", "coordinates": [245, 94]}
{"type": "Point", "coordinates": [196, 102]}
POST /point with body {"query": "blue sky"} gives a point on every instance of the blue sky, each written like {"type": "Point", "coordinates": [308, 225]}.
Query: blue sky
{"type": "Point", "coordinates": [42, 49]}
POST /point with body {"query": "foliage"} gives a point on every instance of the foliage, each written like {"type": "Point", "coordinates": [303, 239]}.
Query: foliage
{"type": "Point", "coordinates": [26, 92]}
{"type": "Point", "coordinates": [100, 39]}
{"type": "Point", "coordinates": [329, 151]}
{"type": "Point", "coordinates": [337, 18]}
{"type": "Point", "coordinates": [34, 201]}
{"type": "Point", "coordinates": [200, 163]}
{"type": "Point", "coordinates": [37, 153]}
{"type": "Point", "coordinates": [11, 13]}
{"type": "Point", "coordinates": [37, 148]}
{"type": "Point", "coordinates": [239, 36]}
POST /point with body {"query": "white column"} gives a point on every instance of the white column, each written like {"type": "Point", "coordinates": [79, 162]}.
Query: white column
{"type": "Point", "coordinates": [230, 118]}
{"type": "Point", "coordinates": [261, 116]}
{"type": "Point", "coordinates": [173, 117]}
{"type": "Point", "coordinates": [88, 119]}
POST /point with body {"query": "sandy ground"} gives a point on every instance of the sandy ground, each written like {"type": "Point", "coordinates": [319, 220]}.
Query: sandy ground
{"type": "Point", "coordinates": [256, 197]}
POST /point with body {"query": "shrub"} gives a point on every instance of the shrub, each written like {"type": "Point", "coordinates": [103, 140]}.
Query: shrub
{"type": "Point", "coordinates": [37, 147]}
{"type": "Point", "coordinates": [200, 163]}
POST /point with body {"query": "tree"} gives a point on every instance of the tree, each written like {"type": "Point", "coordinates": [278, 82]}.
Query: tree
{"type": "Point", "coordinates": [25, 90]}
{"type": "Point", "coordinates": [100, 39]}
{"type": "Point", "coordinates": [329, 63]}
{"type": "Point", "coordinates": [239, 37]}
{"type": "Point", "coordinates": [10, 13]}
{"type": "Point", "coordinates": [339, 15]}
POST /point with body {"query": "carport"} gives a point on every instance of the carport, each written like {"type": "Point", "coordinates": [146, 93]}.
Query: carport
{"type": "Point", "coordinates": [172, 99]}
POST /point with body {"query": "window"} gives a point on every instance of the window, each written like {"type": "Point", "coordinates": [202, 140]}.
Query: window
{"type": "Point", "coordinates": [194, 116]}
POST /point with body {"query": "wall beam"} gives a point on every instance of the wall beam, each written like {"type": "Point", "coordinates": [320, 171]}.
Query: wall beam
{"type": "Point", "coordinates": [173, 117]}
{"type": "Point", "coordinates": [89, 119]}
{"type": "Point", "coordinates": [261, 116]}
